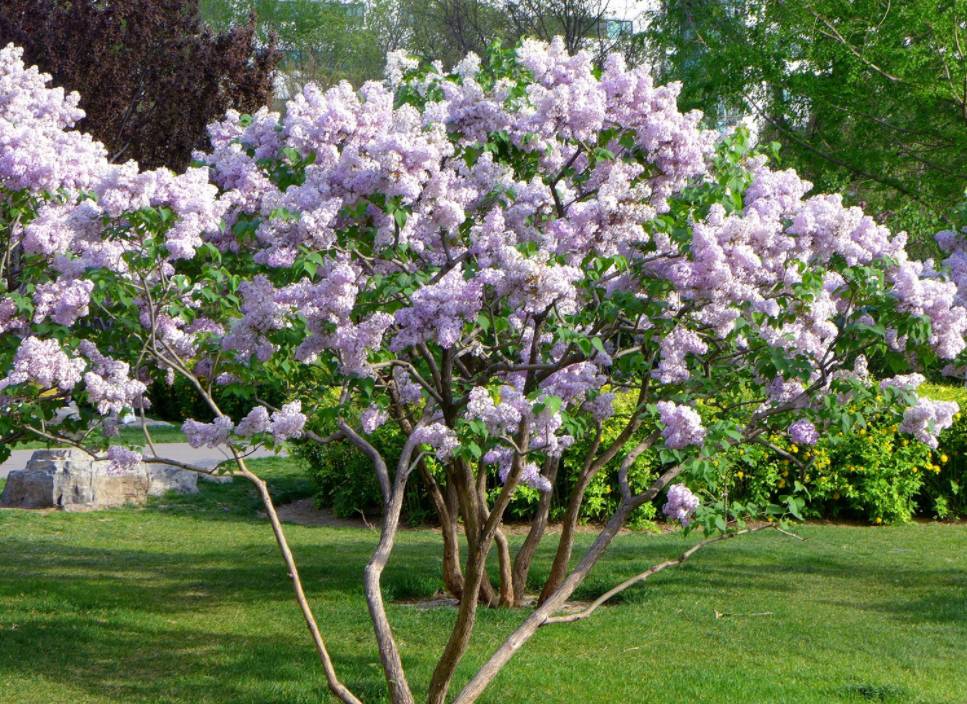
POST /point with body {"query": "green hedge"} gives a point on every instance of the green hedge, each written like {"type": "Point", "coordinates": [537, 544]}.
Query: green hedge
{"type": "Point", "coordinates": [874, 473]}
{"type": "Point", "coordinates": [179, 401]}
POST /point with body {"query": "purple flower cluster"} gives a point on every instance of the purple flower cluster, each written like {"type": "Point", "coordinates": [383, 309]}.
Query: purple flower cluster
{"type": "Point", "coordinates": [439, 437]}
{"type": "Point", "coordinates": [681, 504]}
{"type": "Point", "coordinates": [38, 152]}
{"type": "Point", "coordinates": [64, 301]}
{"type": "Point", "coordinates": [122, 459]}
{"type": "Point", "coordinates": [208, 434]}
{"type": "Point", "coordinates": [683, 426]}
{"type": "Point", "coordinates": [502, 418]}
{"type": "Point", "coordinates": [803, 432]}
{"type": "Point", "coordinates": [108, 384]}
{"type": "Point", "coordinates": [44, 363]}
{"type": "Point", "coordinates": [907, 382]}
{"type": "Point", "coordinates": [439, 312]}
{"type": "Point", "coordinates": [371, 418]}
{"type": "Point", "coordinates": [927, 418]}
{"type": "Point", "coordinates": [285, 423]}
{"type": "Point", "coordinates": [674, 348]}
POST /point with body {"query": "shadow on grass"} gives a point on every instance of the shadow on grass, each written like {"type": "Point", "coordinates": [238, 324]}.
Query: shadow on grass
{"type": "Point", "coordinates": [124, 662]}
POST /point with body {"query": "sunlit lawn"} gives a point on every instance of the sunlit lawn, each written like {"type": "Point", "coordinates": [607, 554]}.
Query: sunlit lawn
{"type": "Point", "coordinates": [186, 602]}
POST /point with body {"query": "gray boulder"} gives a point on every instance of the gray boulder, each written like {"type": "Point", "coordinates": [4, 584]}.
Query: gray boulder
{"type": "Point", "coordinates": [164, 478]}
{"type": "Point", "coordinates": [72, 480]}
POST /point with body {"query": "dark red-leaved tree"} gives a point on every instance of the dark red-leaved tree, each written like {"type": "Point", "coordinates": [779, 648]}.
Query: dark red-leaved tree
{"type": "Point", "coordinates": [150, 73]}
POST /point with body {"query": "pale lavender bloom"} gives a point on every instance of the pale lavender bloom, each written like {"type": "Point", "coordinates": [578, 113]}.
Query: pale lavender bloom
{"type": "Point", "coordinates": [907, 382]}
{"type": "Point", "coordinates": [935, 299]}
{"type": "Point", "coordinates": [601, 408]}
{"type": "Point", "coordinates": [398, 63]}
{"type": "Point", "coordinates": [408, 390]}
{"type": "Point", "coordinates": [681, 504]}
{"type": "Point", "coordinates": [257, 421]}
{"type": "Point", "coordinates": [439, 437]}
{"type": "Point", "coordinates": [64, 301]}
{"type": "Point", "coordinates": [46, 364]}
{"type": "Point", "coordinates": [288, 422]}
{"type": "Point", "coordinates": [675, 347]}
{"type": "Point", "coordinates": [501, 418]}
{"type": "Point", "coordinates": [803, 432]}
{"type": "Point", "coordinates": [371, 418]}
{"type": "Point", "coordinates": [122, 459]}
{"type": "Point", "coordinates": [38, 151]}
{"type": "Point", "coordinates": [9, 318]}
{"type": "Point", "coordinates": [683, 426]}
{"type": "Point", "coordinates": [927, 418]}
{"type": "Point", "coordinates": [573, 382]}
{"type": "Point", "coordinates": [439, 312]}
{"type": "Point", "coordinates": [530, 474]}
{"type": "Point", "coordinates": [109, 384]}
{"type": "Point", "coordinates": [208, 434]}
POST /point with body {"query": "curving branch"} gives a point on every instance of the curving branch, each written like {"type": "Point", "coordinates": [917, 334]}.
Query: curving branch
{"type": "Point", "coordinates": [571, 618]}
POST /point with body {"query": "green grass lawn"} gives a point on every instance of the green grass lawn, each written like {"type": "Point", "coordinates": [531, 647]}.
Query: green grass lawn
{"type": "Point", "coordinates": [128, 434]}
{"type": "Point", "coordinates": [186, 602]}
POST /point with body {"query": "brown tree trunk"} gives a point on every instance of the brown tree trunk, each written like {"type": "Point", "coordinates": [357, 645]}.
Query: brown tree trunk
{"type": "Point", "coordinates": [393, 493]}
{"type": "Point", "coordinates": [566, 545]}
{"type": "Point", "coordinates": [518, 638]}
{"type": "Point", "coordinates": [446, 512]}
{"type": "Point", "coordinates": [522, 562]}
{"type": "Point", "coordinates": [476, 575]}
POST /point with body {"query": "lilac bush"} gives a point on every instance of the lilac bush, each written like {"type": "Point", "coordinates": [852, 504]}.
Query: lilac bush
{"type": "Point", "coordinates": [490, 258]}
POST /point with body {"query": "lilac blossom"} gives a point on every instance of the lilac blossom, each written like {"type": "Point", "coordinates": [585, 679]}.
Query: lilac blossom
{"type": "Point", "coordinates": [108, 384]}
{"type": "Point", "coordinates": [439, 437]}
{"type": "Point", "coordinates": [927, 418]}
{"type": "Point", "coordinates": [208, 434]}
{"type": "Point", "coordinates": [64, 301]}
{"type": "Point", "coordinates": [255, 422]}
{"type": "Point", "coordinates": [803, 432]}
{"type": "Point", "coordinates": [907, 382]}
{"type": "Point", "coordinates": [683, 426]}
{"type": "Point", "coordinates": [288, 422]}
{"type": "Point", "coordinates": [530, 474]}
{"type": "Point", "coordinates": [501, 418]}
{"type": "Point", "coordinates": [679, 343]}
{"type": "Point", "coordinates": [283, 424]}
{"type": "Point", "coordinates": [122, 460]}
{"type": "Point", "coordinates": [681, 504]}
{"type": "Point", "coordinates": [439, 312]}
{"type": "Point", "coordinates": [44, 363]}
{"type": "Point", "coordinates": [371, 418]}
{"type": "Point", "coordinates": [408, 391]}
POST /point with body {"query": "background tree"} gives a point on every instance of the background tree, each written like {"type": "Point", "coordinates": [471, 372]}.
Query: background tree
{"type": "Point", "coordinates": [447, 30]}
{"type": "Point", "coordinates": [321, 41]}
{"type": "Point", "coordinates": [582, 24]}
{"type": "Point", "coordinates": [865, 96]}
{"type": "Point", "coordinates": [151, 75]}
